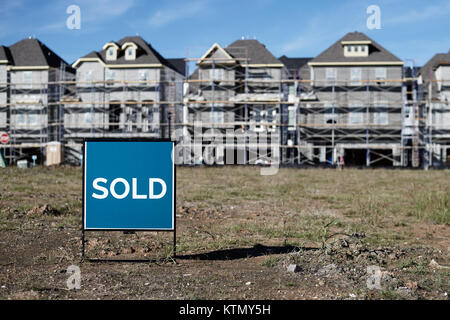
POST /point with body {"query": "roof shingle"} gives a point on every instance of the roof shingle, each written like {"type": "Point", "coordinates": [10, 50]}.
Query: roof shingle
{"type": "Point", "coordinates": [427, 70]}
{"type": "Point", "coordinates": [253, 50]}
{"type": "Point", "coordinates": [335, 53]}
{"type": "Point", "coordinates": [145, 54]}
{"type": "Point", "coordinates": [33, 53]}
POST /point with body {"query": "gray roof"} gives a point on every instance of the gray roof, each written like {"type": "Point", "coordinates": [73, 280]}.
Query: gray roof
{"type": "Point", "coordinates": [145, 54]}
{"type": "Point", "coordinates": [179, 65]}
{"type": "Point", "coordinates": [4, 54]}
{"type": "Point", "coordinates": [254, 50]}
{"type": "Point", "coordinates": [335, 53]}
{"type": "Point", "coordinates": [33, 53]}
{"type": "Point", "coordinates": [297, 67]}
{"type": "Point", "coordinates": [294, 63]}
{"type": "Point", "coordinates": [436, 60]}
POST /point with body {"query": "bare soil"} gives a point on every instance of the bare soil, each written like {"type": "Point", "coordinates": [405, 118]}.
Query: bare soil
{"type": "Point", "coordinates": [237, 234]}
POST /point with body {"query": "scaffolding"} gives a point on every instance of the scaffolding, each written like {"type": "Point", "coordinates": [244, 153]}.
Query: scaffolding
{"type": "Point", "coordinates": [434, 97]}
{"type": "Point", "coordinates": [273, 118]}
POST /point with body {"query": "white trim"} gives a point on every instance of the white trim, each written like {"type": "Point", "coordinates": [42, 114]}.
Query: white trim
{"type": "Point", "coordinates": [127, 44]}
{"type": "Point", "coordinates": [357, 42]}
{"type": "Point", "coordinates": [262, 65]}
{"type": "Point", "coordinates": [28, 68]}
{"type": "Point", "coordinates": [109, 44]}
{"type": "Point", "coordinates": [360, 63]}
{"type": "Point", "coordinates": [150, 65]}
{"type": "Point", "coordinates": [216, 45]}
{"type": "Point", "coordinates": [173, 204]}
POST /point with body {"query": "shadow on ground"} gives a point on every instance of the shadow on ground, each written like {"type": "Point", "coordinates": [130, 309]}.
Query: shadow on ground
{"type": "Point", "coordinates": [241, 253]}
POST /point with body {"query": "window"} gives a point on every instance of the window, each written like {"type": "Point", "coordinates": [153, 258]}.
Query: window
{"type": "Point", "coordinates": [291, 89]}
{"type": "Point", "coordinates": [356, 50]}
{"type": "Point", "coordinates": [216, 74]}
{"type": "Point", "coordinates": [291, 118]}
{"type": "Point", "coordinates": [380, 114]}
{"type": "Point", "coordinates": [356, 115]}
{"type": "Point", "coordinates": [262, 117]}
{"type": "Point", "coordinates": [27, 79]}
{"type": "Point", "coordinates": [131, 116]}
{"type": "Point", "coordinates": [272, 118]}
{"type": "Point", "coordinates": [355, 76]}
{"type": "Point", "coordinates": [115, 110]}
{"type": "Point", "coordinates": [111, 53]}
{"type": "Point", "coordinates": [109, 77]}
{"type": "Point", "coordinates": [147, 116]}
{"type": "Point", "coordinates": [217, 117]}
{"type": "Point", "coordinates": [331, 75]}
{"type": "Point", "coordinates": [143, 76]}
{"type": "Point", "coordinates": [380, 117]}
{"type": "Point", "coordinates": [2, 119]}
{"type": "Point", "coordinates": [380, 74]}
{"type": "Point", "coordinates": [21, 120]}
{"type": "Point", "coordinates": [330, 114]}
{"type": "Point", "coordinates": [33, 119]}
{"type": "Point", "coordinates": [88, 118]}
{"type": "Point", "coordinates": [88, 76]}
{"type": "Point", "coordinates": [130, 53]}
{"type": "Point", "coordinates": [257, 117]}
{"type": "Point", "coordinates": [258, 75]}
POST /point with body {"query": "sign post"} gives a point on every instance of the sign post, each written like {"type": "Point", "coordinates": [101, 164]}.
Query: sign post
{"type": "Point", "coordinates": [128, 185]}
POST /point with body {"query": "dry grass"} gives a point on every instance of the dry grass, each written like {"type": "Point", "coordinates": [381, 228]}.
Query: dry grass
{"type": "Point", "coordinates": [220, 209]}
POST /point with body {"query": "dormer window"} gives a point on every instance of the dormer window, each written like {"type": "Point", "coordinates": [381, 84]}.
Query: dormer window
{"type": "Point", "coordinates": [111, 51]}
{"type": "Point", "coordinates": [111, 54]}
{"type": "Point", "coordinates": [129, 49]}
{"type": "Point", "coordinates": [130, 54]}
{"type": "Point", "coordinates": [356, 48]}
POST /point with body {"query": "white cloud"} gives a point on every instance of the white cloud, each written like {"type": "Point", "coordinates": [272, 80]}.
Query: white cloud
{"type": "Point", "coordinates": [101, 10]}
{"type": "Point", "coordinates": [320, 29]}
{"type": "Point", "coordinates": [176, 12]}
{"type": "Point", "coordinates": [316, 35]}
{"type": "Point", "coordinates": [413, 16]}
{"type": "Point", "coordinates": [92, 12]}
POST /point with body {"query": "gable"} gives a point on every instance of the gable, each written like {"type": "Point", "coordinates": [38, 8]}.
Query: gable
{"type": "Point", "coordinates": [376, 53]}
{"type": "Point", "coordinates": [216, 52]}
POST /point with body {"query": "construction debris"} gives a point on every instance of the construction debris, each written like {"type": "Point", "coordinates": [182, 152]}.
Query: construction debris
{"type": "Point", "coordinates": [45, 209]}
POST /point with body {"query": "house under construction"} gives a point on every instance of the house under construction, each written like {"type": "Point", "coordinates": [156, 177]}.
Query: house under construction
{"type": "Point", "coordinates": [122, 91]}
{"type": "Point", "coordinates": [349, 105]}
{"type": "Point", "coordinates": [434, 87]}
{"type": "Point", "coordinates": [30, 91]}
{"type": "Point", "coordinates": [355, 104]}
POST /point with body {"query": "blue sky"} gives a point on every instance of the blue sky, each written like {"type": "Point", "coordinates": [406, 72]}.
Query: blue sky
{"type": "Point", "coordinates": [410, 29]}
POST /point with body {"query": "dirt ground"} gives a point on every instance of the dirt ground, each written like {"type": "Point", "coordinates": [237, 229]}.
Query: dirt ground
{"type": "Point", "coordinates": [299, 234]}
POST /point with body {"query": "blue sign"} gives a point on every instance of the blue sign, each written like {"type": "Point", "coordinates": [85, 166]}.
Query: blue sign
{"type": "Point", "coordinates": [129, 185]}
